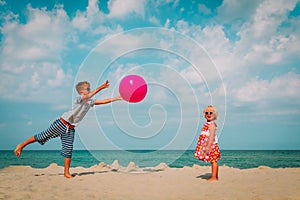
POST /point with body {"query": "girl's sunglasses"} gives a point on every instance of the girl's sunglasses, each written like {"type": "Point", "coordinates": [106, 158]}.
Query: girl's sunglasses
{"type": "Point", "coordinates": [211, 113]}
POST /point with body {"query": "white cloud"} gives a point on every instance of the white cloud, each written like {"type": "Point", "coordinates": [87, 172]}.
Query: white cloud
{"type": "Point", "coordinates": [263, 43]}
{"type": "Point", "coordinates": [118, 44]}
{"type": "Point", "coordinates": [203, 9]}
{"type": "Point", "coordinates": [282, 88]}
{"type": "Point", "coordinates": [59, 78]}
{"type": "Point", "coordinates": [122, 8]}
{"type": "Point", "coordinates": [42, 38]}
{"type": "Point", "coordinates": [274, 51]}
{"type": "Point", "coordinates": [154, 20]}
{"type": "Point", "coordinates": [80, 21]}
{"type": "Point", "coordinates": [269, 15]}
{"type": "Point", "coordinates": [92, 8]}
{"type": "Point", "coordinates": [31, 55]}
{"type": "Point", "coordinates": [167, 23]}
{"type": "Point", "coordinates": [258, 34]}
{"type": "Point", "coordinates": [215, 42]}
{"type": "Point", "coordinates": [191, 75]}
{"type": "Point", "coordinates": [262, 39]}
{"type": "Point", "coordinates": [35, 80]}
{"type": "Point", "coordinates": [44, 82]}
{"type": "Point", "coordinates": [234, 9]}
{"type": "Point", "coordinates": [92, 16]}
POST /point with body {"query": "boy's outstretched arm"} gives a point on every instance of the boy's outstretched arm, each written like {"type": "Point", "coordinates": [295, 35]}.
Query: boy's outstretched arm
{"type": "Point", "coordinates": [92, 93]}
{"type": "Point", "coordinates": [105, 101]}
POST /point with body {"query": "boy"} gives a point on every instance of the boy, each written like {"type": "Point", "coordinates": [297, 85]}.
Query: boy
{"type": "Point", "coordinates": [64, 127]}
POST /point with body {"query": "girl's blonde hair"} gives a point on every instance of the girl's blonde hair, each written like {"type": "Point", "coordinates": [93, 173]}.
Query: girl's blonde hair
{"type": "Point", "coordinates": [81, 85]}
{"type": "Point", "coordinates": [212, 108]}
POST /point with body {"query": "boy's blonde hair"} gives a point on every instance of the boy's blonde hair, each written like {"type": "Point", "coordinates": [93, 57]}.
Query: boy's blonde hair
{"type": "Point", "coordinates": [81, 85]}
{"type": "Point", "coordinates": [212, 108]}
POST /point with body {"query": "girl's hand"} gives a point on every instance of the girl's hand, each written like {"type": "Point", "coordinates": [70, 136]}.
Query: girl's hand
{"type": "Point", "coordinates": [207, 151]}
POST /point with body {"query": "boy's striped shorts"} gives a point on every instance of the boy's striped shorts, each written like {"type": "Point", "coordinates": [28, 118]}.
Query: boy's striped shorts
{"type": "Point", "coordinates": [58, 129]}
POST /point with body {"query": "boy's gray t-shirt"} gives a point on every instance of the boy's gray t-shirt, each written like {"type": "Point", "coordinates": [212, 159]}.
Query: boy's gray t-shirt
{"type": "Point", "coordinates": [79, 110]}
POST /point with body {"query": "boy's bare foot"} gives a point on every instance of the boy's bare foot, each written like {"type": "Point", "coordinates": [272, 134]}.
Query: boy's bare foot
{"type": "Point", "coordinates": [69, 176]}
{"type": "Point", "coordinates": [18, 150]}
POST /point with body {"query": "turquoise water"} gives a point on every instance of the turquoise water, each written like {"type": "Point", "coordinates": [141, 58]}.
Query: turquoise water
{"type": "Point", "coordinates": [145, 158]}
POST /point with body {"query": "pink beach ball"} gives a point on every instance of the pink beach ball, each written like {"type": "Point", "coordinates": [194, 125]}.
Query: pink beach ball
{"type": "Point", "coordinates": [133, 88]}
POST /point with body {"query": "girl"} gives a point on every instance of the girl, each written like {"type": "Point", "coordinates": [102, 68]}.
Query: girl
{"type": "Point", "coordinates": [207, 148]}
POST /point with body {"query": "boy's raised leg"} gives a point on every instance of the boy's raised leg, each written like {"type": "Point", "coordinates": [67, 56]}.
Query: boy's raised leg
{"type": "Point", "coordinates": [19, 147]}
{"type": "Point", "coordinates": [67, 162]}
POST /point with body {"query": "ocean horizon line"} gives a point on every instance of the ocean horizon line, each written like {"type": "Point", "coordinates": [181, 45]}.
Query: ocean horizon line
{"type": "Point", "coordinates": [153, 150]}
{"type": "Point", "coordinates": [175, 158]}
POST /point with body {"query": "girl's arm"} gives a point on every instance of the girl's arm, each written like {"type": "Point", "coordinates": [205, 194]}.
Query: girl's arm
{"type": "Point", "coordinates": [92, 93]}
{"type": "Point", "coordinates": [212, 134]}
{"type": "Point", "coordinates": [105, 101]}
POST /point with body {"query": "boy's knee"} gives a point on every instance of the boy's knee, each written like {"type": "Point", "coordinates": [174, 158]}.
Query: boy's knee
{"type": "Point", "coordinates": [66, 154]}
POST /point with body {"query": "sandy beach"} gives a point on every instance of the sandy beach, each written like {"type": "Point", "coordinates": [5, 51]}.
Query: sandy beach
{"type": "Point", "coordinates": [161, 182]}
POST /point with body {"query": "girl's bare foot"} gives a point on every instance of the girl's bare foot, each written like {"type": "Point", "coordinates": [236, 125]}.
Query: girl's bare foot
{"type": "Point", "coordinates": [212, 179]}
{"type": "Point", "coordinates": [69, 176]}
{"type": "Point", "coordinates": [18, 150]}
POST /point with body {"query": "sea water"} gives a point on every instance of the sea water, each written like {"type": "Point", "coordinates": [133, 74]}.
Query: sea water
{"type": "Point", "coordinates": [148, 158]}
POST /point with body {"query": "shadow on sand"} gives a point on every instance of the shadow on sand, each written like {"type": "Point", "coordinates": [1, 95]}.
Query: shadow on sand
{"type": "Point", "coordinates": [73, 174]}
{"type": "Point", "coordinates": [205, 176]}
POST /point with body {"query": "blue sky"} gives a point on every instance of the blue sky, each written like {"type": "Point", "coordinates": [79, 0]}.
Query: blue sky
{"type": "Point", "coordinates": [243, 57]}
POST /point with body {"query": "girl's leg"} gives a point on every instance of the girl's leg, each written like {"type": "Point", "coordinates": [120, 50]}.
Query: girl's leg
{"type": "Point", "coordinates": [67, 162]}
{"type": "Point", "coordinates": [20, 146]}
{"type": "Point", "coordinates": [214, 171]}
